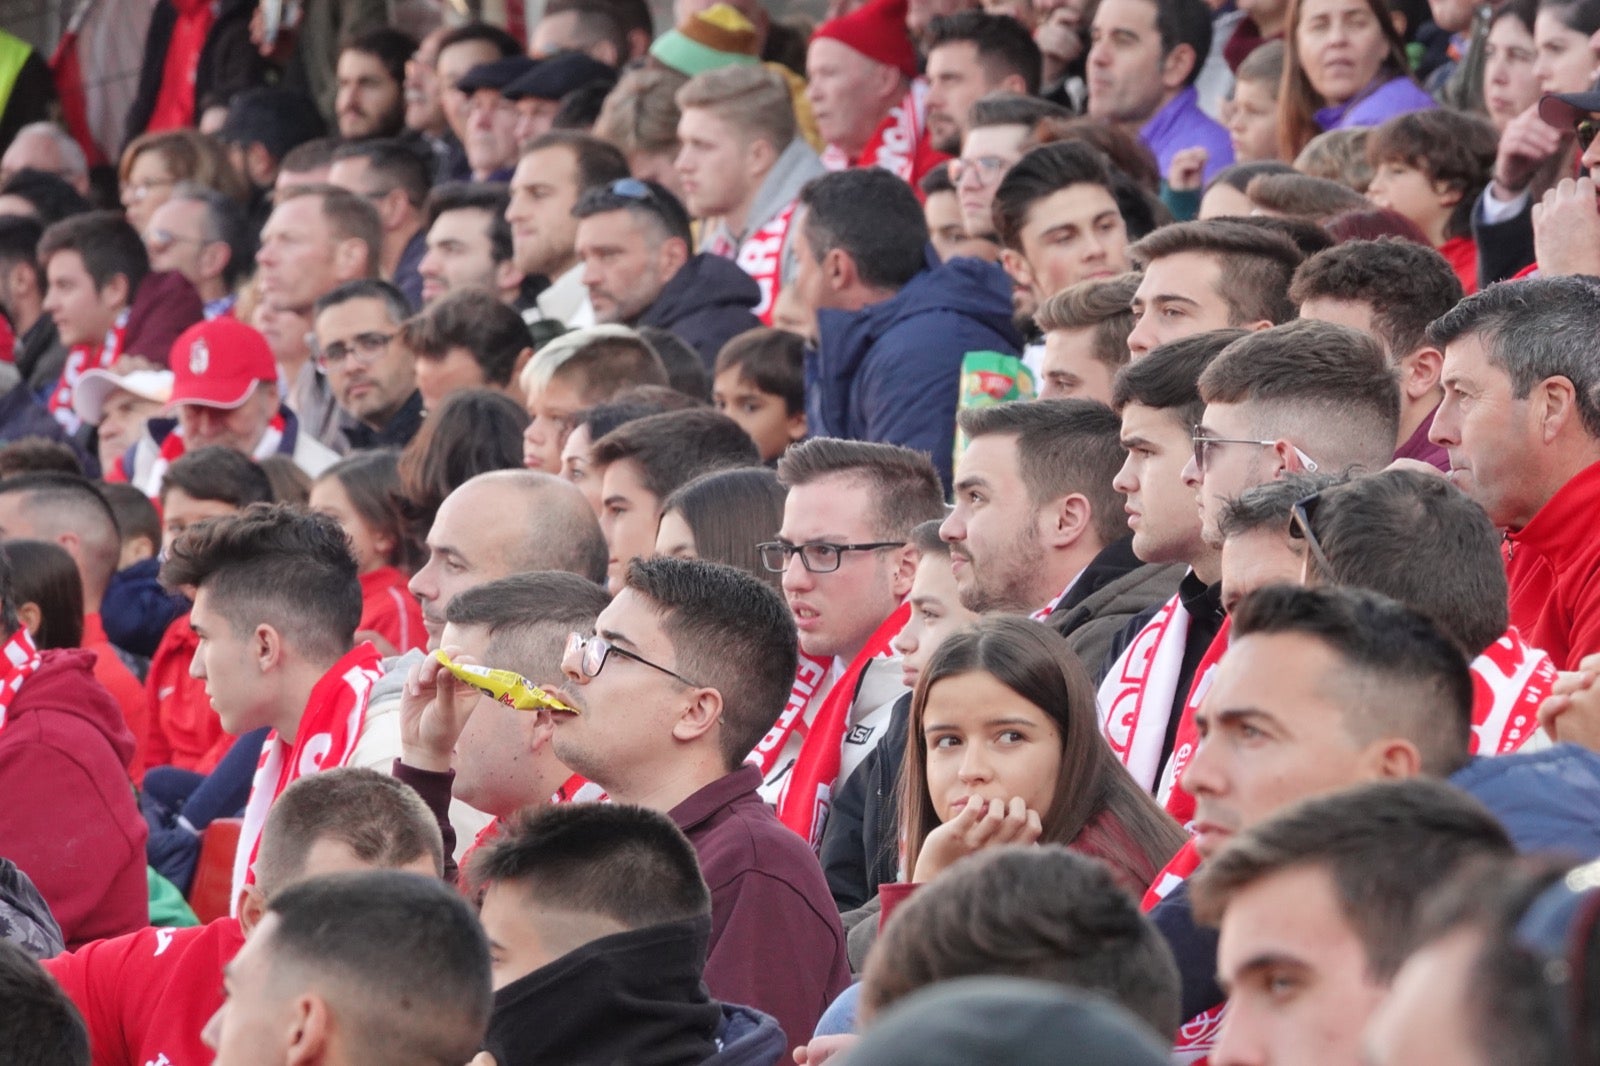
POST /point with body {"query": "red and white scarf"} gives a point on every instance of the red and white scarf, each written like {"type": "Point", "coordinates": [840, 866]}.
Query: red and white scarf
{"type": "Point", "coordinates": [804, 801]}
{"type": "Point", "coordinates": [809, 675]}
{"type": "Point", "coordinates": [1509, 681]}
{"type": "Point", "coordinates": [329, 729]}
{"type": "Point", "coordinates": [174, 446]}
{"type": "Point", "coordinates": [1177, 870]}
{"type": "Point", "coordinates": [579, 789]}
{"type": "Point", "coordinates": [760, 256]}
{"type": "Point", "coordinates": [82, 358]}
{"type": "Point", "coordinates": [1171, 795]}
{"type": "Point", "coordinates": [893, 145]}
{"type": "Point", "coordinates": [19, 660]}
{"type": "Point", "coordinates": [1135, 699]}
{"type": "Point", "coordinates": [1197, 1036]}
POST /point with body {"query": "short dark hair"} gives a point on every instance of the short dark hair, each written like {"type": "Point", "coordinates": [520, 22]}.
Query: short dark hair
{"type": "Point", "coordinates": [380, 938]}
{"type": "Point", "coordinates": [672, 447]}
{"type": "Point", "coordinates": [1446, 145]}
{"type": "Point", "coordinates": [1063, 446]}
{"type": "Point", "coordinates": [51, 198]}
{"type": "Point", "coordinates": [43, 574]}
{"type": "Point", "coordinates": [473, 432]}
{"type": "Point", "coordinates": [1185, 22]}
{"type": "Point", "coordinates": [489, 199]}
{"type": "Point", "coordinates": [1239, 175]}
{"type": "Point", "coordinates": [925, 538]}
{"type": "Point", "coordinates": [729, 631]}
{"type": "Point", "coordinates": [64, 503]}
{"type": "Point", "coordinates": [389, 46]}
{"type": "Point", "coordinates": [872, 216]}
{"type": "Point", "coordinates": [502, 41]}
{"type": "Point", "coordinates": [1003, 44]}
{"type": "Point", "coordinates": [1256, 264]}
{"type": "Point", "coordinates": [475, 320]}
{"type": "Point", "coordinates": [599, 162]}
{"type": "Point", "coordinates": [686, 370]}
{"type": "Point", "coordinates": [217, 473]}
{"type": "Point", "coordinates": [136, 515]}
{"type": "Point", "coordinates": [225, 223]}
{"type": "Point", "coordinates": [1040, 174]}
{"type": "Point", "coordinates": [1459, 582]}
{"type": "Point", "coordinates": [40, 1026]}
{"type": "Point", "coordinates": [660, 209]}
{"type": "Point", "coordinates": [19, 243]}
{"type": "Point", "coordinates": [1039, 912]}
{"type": "Point", "coordinates": [310, 155]}
{"type": "Point", "coordinates": [1012, 109]}
{"type": "Point", "coordinates": [773, 360]}
{"type": "Point", "coordinates": [1329, 384]}
{"type": "Point", "coordinates": [348, 216]}
{"type": "Point", "coordinates": [597, 20]}
{"type": "Point", "coordinates": [1304, 196]}
{"type": "Point", "coordinates": [273, 565]}
{"type": "Point", "coordinates": [1168, 377]}
{"type": "Point", "coordinates": [105, 241]}
{"type": "Point", "coordinates": [1270, 505]}
{"type": "Point", "coordinates": [1404, 285]}
{"type": "Point", "coordinates": [380, 819]}
{"type": "Point", "coordinates": [38, 455]}
{"type": "Point", "coordinates": [902, 481]}
{"type": "Point", "coordinates": [1100, 304]}
{"type": "Point", "coordinates": [730, 513]}
{"type": "Point", "coordinates": [528, 617]}
{"type": "Point", "coordinates": [626, 863]}
{"type": "Point", "coordinates": [1400, 676]}
{"type": "Point", "coordinates": [393, 300]}
{"type": "Point", "coordinates": [1536, 329]}
{"type": "Point", "coordinates": [397, 164]}
{"type": "Point", "coordinates": [1384, 845]}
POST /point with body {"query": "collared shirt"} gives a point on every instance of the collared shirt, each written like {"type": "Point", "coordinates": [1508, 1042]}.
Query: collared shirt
{"type": "Point", "coordinates": [1182, 124]}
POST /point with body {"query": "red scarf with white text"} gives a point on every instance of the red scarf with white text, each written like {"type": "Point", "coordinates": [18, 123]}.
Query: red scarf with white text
{"type": "Point", "coordinates": [329, 730]}
{"type": "Point", "coordinates": [1171, 795]}
{"type": "Point", "coordinates": [808, 677]}
{"type": "Point", "coordinates": [1509, 681]}
{"type": "Point", "coordinates": [19, 659]}
{"type": "Point", "coordinates": [81, 358]}
{"type": "Point", "coordinates": [1135, 699]}
{"type": "Point", "coordinates": [1177, 870]}
{"type": "Point", "coordinates": [760, 256]}
{"type": "Point", "coordinates": [803, 803]}
{"type": "Point", "coordinates": [893, 145]}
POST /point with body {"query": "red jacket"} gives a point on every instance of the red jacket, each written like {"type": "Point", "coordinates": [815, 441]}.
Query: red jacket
{"type": "Point", "coordinates": [389, 609]}
{"type": "Point", "coordinates": [111, 672]}
{"type": "Point", "coordinates": [145, 997]}
{"type": "Point", "coordinates": [68, 817]}
{"type": "Point", "coordinates": [183, 729]}
{"type": "Point", "coordinates": [1553, 568]}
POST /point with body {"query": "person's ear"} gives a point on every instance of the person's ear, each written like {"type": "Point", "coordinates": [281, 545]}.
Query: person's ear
{"type": "Point", "coordinates": [1392, 759]}
{"type": "Point", "coordinates": [796, 426]}
{"type": "Point", "coordinates": [839, 270]}
{"type": "Point", "coordinates": [1012, 83]}
{"type": "Point", "coordinates": [214, 257]}
{"type": "Point", "coordinates": [1449, 193]}
{"type": "Point", "coordinates": [507, 277]}
{"type": "Point", "coordinates": [252, 907]}
{"type": "Point", "coordinates": [1558, 406]}
{"type": "Point", "coordinates": [674, 253]}
{"type": "Point", "coordinates": [700, 716]}
{"type": "Point", "coordinates": [760, 156]}
{"type": "Point", "coordinates": [311, 1033]}
{"type": "Point", "coordinates": [1176, 65]}
{"type": "Point", "coordinates": [260, 168]}
{"type": "Point", "coordinates": [22, 281]}
{"type": "Point", "coordinates": [30, 617]}
{"type": "Point", "coordinates": [536, 731]}
{"type": "Point", "coordinates": [266, 645]}
{"type": "Point", "coordinates": [1420, 372]}
{"type": "Point", "coordinates": [1013, 263]}
{"type": "Point", "coordinates": [905, 570]}
{"type": "Point", "coordinates": [350, 260]}
{"type": "Point", "coordinates": [1067, 521]}
{"type": "Point", "coordinates": [136, 550]}
{"type": "Point", "coordinates": [116, 292]}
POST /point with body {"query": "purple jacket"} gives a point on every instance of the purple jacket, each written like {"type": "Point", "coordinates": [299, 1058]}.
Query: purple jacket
{"type": "Point", "coordinates": [1181, 124]}
{"type": "Point", "coordinates": [1379, 103]}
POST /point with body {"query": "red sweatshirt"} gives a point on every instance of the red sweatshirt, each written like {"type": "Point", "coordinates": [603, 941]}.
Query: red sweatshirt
{"type": "Point", "coordinates": [183, 729]}
{"type": "Point", "coordinates": [1553, 568]}
{"type": "Point", "coordinates": [110, 671]}
{"type": "Point", "coordinates": [145, 997]}
{"type": "Point", "coordinates": [68, 817]}
{"type": "Point", "coordinates": [389, 609]}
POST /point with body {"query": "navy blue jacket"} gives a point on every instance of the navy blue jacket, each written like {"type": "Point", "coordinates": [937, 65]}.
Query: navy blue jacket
{"type": "Point", "coordinates": [891, 372]}
{"type": "Point", "coordinates": [707, 303]}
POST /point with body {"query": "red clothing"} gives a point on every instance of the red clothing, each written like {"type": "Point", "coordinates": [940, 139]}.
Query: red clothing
{"type": "Point", "coordinates": [1553, 568]}
{"type": "Point", "coordinates": [776, 942]}
{"type": "Point", "coordinates": [175, 104]}
{"type": "Point", "coordinates": [68, 817]}
{"type": "Point", "coordinates": [182, 729]}
{"type": "Point", "coordinates": [389, 609]}
{"type": "Point", "coordinates": [120, 682]}
{"type": "Point", "coordinates": [146, 996]}
{"type": "Point", "coordinates": [1462, 255]}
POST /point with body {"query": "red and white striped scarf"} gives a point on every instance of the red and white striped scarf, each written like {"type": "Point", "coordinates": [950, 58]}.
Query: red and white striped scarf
{"type": "Point", "coordinates": [329, 729]}
{"type": "Point", "coordinates": [82, 358]}
{"type": "Point", "coordinates": [1509, 681]}
{"type": "Point", "coordinates": [174, 446]}
{"type": "Point", "coordinates": [1171, 794]}
{"type": "Point", "coordinates": [19, 660]}
{"type": "Point", "coordinates": [893, 145]}
{"type": "Point", "coordinates": [760, 256]}
{"type": "Point", "coordinates": [1135, 699]}
{"type": "Point", "coordinates": [808, 678]}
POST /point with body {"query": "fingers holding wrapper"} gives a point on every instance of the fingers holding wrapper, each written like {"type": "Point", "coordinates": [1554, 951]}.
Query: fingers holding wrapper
{"type": "Point", "coordinates": [505, 686]}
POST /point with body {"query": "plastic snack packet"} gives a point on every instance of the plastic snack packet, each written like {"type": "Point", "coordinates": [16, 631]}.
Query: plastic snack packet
{"type": "Point", "coordinates": [506, 686]}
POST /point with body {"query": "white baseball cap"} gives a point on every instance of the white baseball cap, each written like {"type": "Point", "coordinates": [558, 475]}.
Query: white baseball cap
{"type": "Point", "coordinates": [96, 386]}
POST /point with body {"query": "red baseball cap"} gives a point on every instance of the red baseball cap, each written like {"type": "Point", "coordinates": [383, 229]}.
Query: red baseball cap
{"type": "Point", "coordinates": [219, 363]}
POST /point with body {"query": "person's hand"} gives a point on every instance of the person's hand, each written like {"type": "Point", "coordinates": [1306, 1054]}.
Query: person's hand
{"type": "Point", "coordinates": [482, 1058]}
{"type": "Point", "coordinates": [977, 825]}
{"type": "Point", "coordinates": [434, 708]}
{"type": "Point", "coordinates": [823, 1048]}
{"type": "Point", "coordinates": [1571, 713]}
{"type": "Point", "coordinates": [1188, 169]}
{"type": "Point", "coordinates": [278, 49]}
{"type": "Point", "coordinates": [1566, 229]}
{"type": "Point", "coordinates": [1527, 142]}
{"type": "Point", "coordinates": [1058, 39]}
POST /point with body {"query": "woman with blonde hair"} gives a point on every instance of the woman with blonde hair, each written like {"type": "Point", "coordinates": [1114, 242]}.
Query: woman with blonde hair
{"type": "Point", "coordinates": [156, 163]}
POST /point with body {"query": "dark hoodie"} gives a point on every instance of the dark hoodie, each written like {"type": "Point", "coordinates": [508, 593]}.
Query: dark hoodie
{"type": "Point", "coordinates": [67, 813]}
{"type": "Point", "coordinates": [707, 303]}
{"type": "Point", "coordinates": [891, 372]}
{"type": "Point", "coordinates": [634, 998]}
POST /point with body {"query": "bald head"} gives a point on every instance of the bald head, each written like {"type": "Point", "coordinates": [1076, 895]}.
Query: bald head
{"type": "Point", "coordinates": [66, 510]}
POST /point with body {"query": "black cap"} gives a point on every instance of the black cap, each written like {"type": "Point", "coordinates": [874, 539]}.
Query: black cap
{"type": "Point", "coordinates": [496, 74]}
{"type": "Point", "coordinates": [558, 75]}
{"type": "Point", "coordinates": [1566, 110]}
{"type": "Point", "coordinates": [277, 119]}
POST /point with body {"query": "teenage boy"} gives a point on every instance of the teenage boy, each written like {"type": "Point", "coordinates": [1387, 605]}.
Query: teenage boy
{"type": "Point", "coordinates": [1056, 213]}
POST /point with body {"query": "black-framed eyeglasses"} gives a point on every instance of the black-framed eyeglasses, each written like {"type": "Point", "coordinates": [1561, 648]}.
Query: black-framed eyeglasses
{"type": "Point", "coordinates": [818, 557]}
{"type": "Point", "coordinates": [1585, 132]}
{"type": "Point", "coordinates": [591, 653]}
{"type": "Point", "coordinates": [365, 348]}
{"type": "Point", "coordinates": [1300, 519]}
{"type": "Point", "coordinates": [1204, 443]}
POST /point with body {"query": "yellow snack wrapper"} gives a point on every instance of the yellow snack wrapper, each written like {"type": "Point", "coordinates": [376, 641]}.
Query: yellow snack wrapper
{"type": "Point", "coordinates": [506, 686]}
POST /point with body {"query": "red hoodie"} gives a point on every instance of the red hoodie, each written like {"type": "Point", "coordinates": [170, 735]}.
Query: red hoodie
{"type": "Point", "coordinates": [68, 817]}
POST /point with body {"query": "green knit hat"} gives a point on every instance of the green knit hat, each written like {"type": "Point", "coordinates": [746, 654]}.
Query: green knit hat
{"type": "Point", "coordinates": [717, 37]}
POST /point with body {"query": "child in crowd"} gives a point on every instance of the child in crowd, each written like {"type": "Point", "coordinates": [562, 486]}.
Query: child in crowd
{"type": "Point", "coordinates": [136, 610]}
{"type": "Point", "coordinates": [759, 382]}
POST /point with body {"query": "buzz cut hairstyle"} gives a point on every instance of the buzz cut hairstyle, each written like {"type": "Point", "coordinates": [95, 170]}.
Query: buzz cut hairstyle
{"type": "Point", "coordinates": [773, 360]}
{"type": "Point", "coordinates": [1385, 846]}
{"type": "Point", "coordinates": [749, 97]}
{"type": "Point", "coordinates": [528, 617]}
{"type": "Point", "coordinates": [674, 447]}
{"type": "Point", "coordinates": [1103, 305]}
{"type": "Point", "coordinates": [489, 199]}
{"type": "Point", "coordinates": [1004, 45]}
{"type": "Point", "coordinates": [1063, 447]}
{"type": "Point", "coordinates": [1040, 174]}
{"type": "Point", "coordinates": [478, 321]}
{"type": "Point", "coordinates": [730, 631]}
{"type": "Point", "coordinates": [1255, 264]}
{"type": "Point", "coordinates": [1404, 286]}
{"type": "Point", "coordinates": [272, 564]}
{"type": "Point", "coordinates": [1168, 377]}
{"type": "Point", "coordinates": [380, 819]}
{"type": "Point", "coordinates": [628, 864]}
{"type": "Point", "coordinates": [397, 164]}
{"type": "Point", "coordinates": [66, 502]}
{"type": "Point", "coordinates": [599, 362]}
{"type": "Point", "coordinates": [903, 482]}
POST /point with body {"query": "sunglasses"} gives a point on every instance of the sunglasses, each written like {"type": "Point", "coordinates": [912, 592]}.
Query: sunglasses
{"type": "Point", "coordinates": [1205, 444]}
{"type": "Point", "coordinates": [1301, 515]}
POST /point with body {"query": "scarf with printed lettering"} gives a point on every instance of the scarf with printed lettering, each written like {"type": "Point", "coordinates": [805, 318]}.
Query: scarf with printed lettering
{"type": "Point", "coordinates": [893, 145]}
{"type": "Point", "coordinates": [19, 659]}
{"type": "Point", "coordinates": [1171, 794]}
{"type": "Point", "coordinates": [329, 730]}
{"type": "Point", "coordinates": [82, 358]}
{"type": "Point", "coordinates": [761, 256]}
{"type": "Point", "coordinates": [1509, 681]}
{"type": "Point", "coordinates": [1135, 699]}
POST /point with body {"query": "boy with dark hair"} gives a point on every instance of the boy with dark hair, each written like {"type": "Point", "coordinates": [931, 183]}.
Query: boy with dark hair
{"type": "Point", "coordinates": [466, 340]}
{"type": "Point", "coordinates": [1086, 329]}
{"type": "Point", "coordinates": [601, 919]}
{"type": "Point", "coordinates": [1056, 213]}
{"type": "Point", "coordinates": [575, 372]}
{"type": "Point", "coordinates": [759, 382]}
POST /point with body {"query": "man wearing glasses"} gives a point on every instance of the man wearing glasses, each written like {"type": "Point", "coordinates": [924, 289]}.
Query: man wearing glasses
{"type": "Point", "coordinates": [685, 671]}
{"type": "Point", "coordinates": [203, 235]}
{"type": "Point", "coordinates": [373, 379]}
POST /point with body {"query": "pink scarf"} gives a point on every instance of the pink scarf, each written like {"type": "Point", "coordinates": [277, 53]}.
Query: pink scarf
{"type": "Point", "coordinates": [19, 659]}
{"type": "Point", "coordinates": [1135, 699]}
{"type": "Point", "coordinates": [1509, 681]}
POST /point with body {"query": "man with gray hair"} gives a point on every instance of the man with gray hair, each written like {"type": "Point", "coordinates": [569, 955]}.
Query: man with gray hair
{"type": "Point", "coordinates": [47, 147]}
{"type": "Point", "coordinates": [206, 237]}
{"type": "Point", "coordinates": [1521, 421]}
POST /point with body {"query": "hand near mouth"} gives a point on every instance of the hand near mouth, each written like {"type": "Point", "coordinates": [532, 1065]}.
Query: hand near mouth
{"type": "Point", "coordinates": [434, 708]}
{"type": "Point", "coordinates": [979, 824]}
